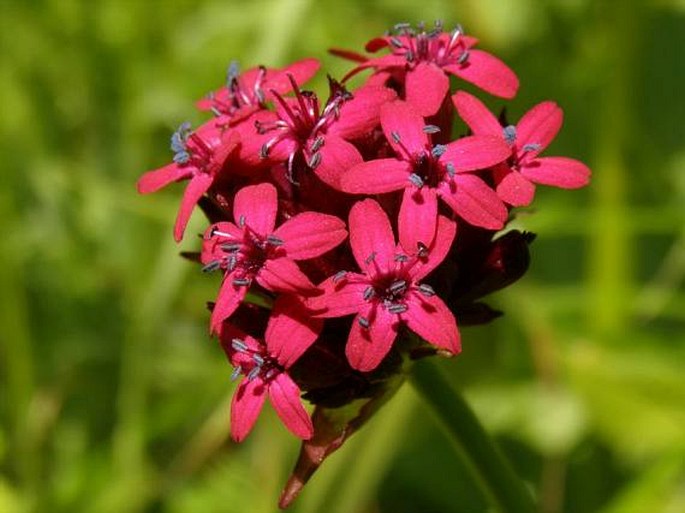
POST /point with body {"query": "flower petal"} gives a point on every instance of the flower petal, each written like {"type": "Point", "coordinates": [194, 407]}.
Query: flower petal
{"type": "Point", "coordinates": [400, 121]}
{"type": "Point", "coordinates": [472, 199]}
{"type": "Point", "coordinates": [418, 218]}
{"type": "Point", "coordinates": [426, 87]}
{"type": "Point", "coordinates": [475, 152]}
{"type": "Point", "coordinates": [512, 187]}
{"type": "Point", "coordinates": [371, 237]}
{"type": "Point", "coordinates": [310, 234]}
{"type": "Point", "coordinates": [431, 320]}
{"type": "Point", "coordinates": [341, 296]}
{"type": "Point", "coordinates": [291, 330]}
{"type": "Point", "coordinates": [247, 402]}
{"type": "Point", "coordinates": [283, 275]}
{"type": "Point", "coordinates": [361, 114]}
{"type": "Point", "coordinates": [487, 72]}
{"type": "Point", "coordinates": [198, 185]}
{"type": "Point", "coordinates": [284, 395]}
{"type": "Point", "coordinates": [376, 177]}
{"type": "Point", "coordinates": [301, 71]}
{"type": "Point", "coordinates": [154, 180]}
{"type": "Point", "coordinates": [445, 232]}
{"type": "Point", "coordinates": [539, 126]}
{"type": "Point", "coordinates": [366, 347]}
{"type": "Point", "coordinates": [230, 297]}
{"type": "Point", "coordinates": [337, 156]}
{"type": "Point", "coordinates": [557, 171]}
{"type": "Point", "coordinates": [476, 115]}
{"type": "Point", "coordinates": [257, 205]}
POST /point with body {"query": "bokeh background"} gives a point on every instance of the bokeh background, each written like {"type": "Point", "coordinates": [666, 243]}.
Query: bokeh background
{"type": "Point", "coordinates": [114, 399]}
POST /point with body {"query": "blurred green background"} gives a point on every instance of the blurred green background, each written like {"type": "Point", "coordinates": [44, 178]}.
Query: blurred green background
{"type": "Point", "coordinates": [114, 399]}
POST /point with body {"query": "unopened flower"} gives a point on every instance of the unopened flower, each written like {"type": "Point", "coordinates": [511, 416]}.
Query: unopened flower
{"type": "Point", "coordinates": [534, 132]}
{"type": "Point", "coordinates": [388, 292]}
{"type": "Point", "coordinates": [252, 249]}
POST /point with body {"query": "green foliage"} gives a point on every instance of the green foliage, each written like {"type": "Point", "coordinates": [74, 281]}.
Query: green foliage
{"type": "Point", "coordinates": [112, 396]}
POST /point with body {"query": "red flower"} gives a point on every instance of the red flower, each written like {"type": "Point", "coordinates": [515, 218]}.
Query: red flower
{"type": "Point", "coordinates": [253, 250]}
{"type": "Point", "coordinates": [199, 156]}
{"type": "Point", "coordinates": [288, 334]}
{"type": "Point", "coordinates": [428, 58]}
{"type": "Point", "coordinates": [300, 129]}
{"type": "Point", "coordinates": [427, 172]}
{"type": "Point", "coordinates": [387, 293]}
{"type": "Point", "coordinates": [246, 93]}
{"type": "Point", "coordinates": [534, 132]}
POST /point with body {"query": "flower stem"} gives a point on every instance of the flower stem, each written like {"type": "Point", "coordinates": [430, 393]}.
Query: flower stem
{"type": "Point", "coordinates": [494, 473]}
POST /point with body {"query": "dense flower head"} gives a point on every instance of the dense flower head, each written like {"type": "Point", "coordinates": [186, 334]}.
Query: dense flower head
{"type": "Point", "coordinates": [353, 235]}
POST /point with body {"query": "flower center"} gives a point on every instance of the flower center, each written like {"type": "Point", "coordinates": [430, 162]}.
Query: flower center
{"type": "Point", "coordinates": [190, 149]}
{"type": "Point", "coordinates": [253, 363]}
{"type": "Point", "coordinates": [418, 45]}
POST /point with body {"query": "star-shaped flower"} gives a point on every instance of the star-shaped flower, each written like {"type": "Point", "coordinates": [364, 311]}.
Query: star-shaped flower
{"type": "Point", "coordinates": [265, 365]}
{"type": "Point", "coordinates": [427, 171]}
{"type": "Point", "coordinates": [387, 293]}
{"type": "Point", "coordinates": [253, 249]}
{"type": "Point", "coordinates": [199, 156]}
{"type": "Point", "coordinates": [517, 176]}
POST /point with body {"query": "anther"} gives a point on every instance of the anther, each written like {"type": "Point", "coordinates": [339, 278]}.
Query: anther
{"type": "Point", "coordinates": [258, 359]}
{"type": "Point", "coordinates": [274, 241]}
{"type": "Point", "coordinates": [239, 345]}
{"type": "Point", "coordinates": [426, 290]}
{"type": "Point", "coordinates": [422, 249]}
{"type": "Point", "coordinates": [264, 150]}
{"type": "Point", "coordinates": [416, 180]}
{"type": "Point", "coordinates": [532, 147]}
{"type": "Point", "coordinates": [463, 57]}
{"type": "Point", "coordinates": [509, 134]}
{"type": "Point", "coordinates": [370, 258]}
{"type": "Point", "coordinates": [395, 136]}
{"type": "Point", "coordinates": [232, 73]}
{"type": "Point", "coordinates": [237, 371]}
{"type": "Point", "coordinates": [368, 293]}
{"type": "Point", "coordinates": [317, 144]}
{"type": "Point", "coordinates": [431, 129]}
{"type": "Point", "coordinates": [394, 41]}
{"type": "Point", "coordinates": [232, 262]}
{"type": "Point", "coordinates": [398, 286]}
{"type": "Point", "coordinates": [231, 247]}
{"type": "Point", "coordinates": [438, 150]}
{"type": "Point", "coordinates": [242, 282]}
{"type": "Point", "coordinates": [211, 266]}
{"type": "Point", "coordinates": [241, 221]}
{"type": "Point", "coordinates": [182, 157]}
{"type": "Point", "coordinates": [450, 170]}
{"type": "Point", "coordinates": [254, 373]}
{"type": "Point", "coordinates": [397, 308]}
{"type": "Point", "coordinates": [315, 161]}
{"type": "Point", "coordinates": [363, 322]}
{"type": "Point", "coordinates": [217, 113]}
{"type": "Point", "coordinates": [339, 276]}
{"type": "Point", "coordinates": [401, 258]}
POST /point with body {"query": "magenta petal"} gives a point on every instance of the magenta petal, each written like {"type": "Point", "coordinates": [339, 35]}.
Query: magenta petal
{"type": "Point", "coordinates": [418, 218]}
{"type": "Point", "coordinates": [301, 71]}
{"type": "Point", "coordinates": [431, 320]}
{"type": "Point", "coordinates": [290, 331]}
{"type": "Point", "coordinates": [513, 188]}
{"type": "Point", "coordinates": [376, 177]}
{"type": "Point", "coordinates": [285, 398]}
{"type": "Point", "coordinates": [341, 296]}
{"type": "Point", "coordinates": [476, 115]}
{"type": "Point", "coordinates": [442, 243]}
{"type": "Point", "coordinates": [557, 171]}
{"type": "Point", "coordinates": [361, 114]}
{"type": "Point", "coordinates": [247, 402]}
{"type": "Point", "coordinates": [475, 152]}
{"type": "Point", "coordinates": [154, 180]}
{"type": "Point", "coordinates": [400, 119]}
{"type": "Point", "coordinates": [230, 297]}
{"type": "Point", "coordinates": [198, 185]}
{"type": "Point", "coordinates": [310, 234]}
{"type": "Point", "coordinates": [337, 156]}
{"type": "Point", "coordinates": [472, 199]}
{"type": "Point", "coordinates": [539, 126]}
{"type": "Point", "coordinates": [426, 87]}
{"type": "Point", "coordinates": [487, 72]}
{"type": "Point", "coordinates": [371, 235]}
{"type": "Point", "coordinates": [366, 347]}
{"type": "Point", "coordinates": [283, 275]}
{"type": "Point", "coordinates": [257, 205]}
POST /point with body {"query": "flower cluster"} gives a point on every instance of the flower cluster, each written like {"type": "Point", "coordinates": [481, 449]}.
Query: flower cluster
{"type": "Point", "coordinates": [354, 234]}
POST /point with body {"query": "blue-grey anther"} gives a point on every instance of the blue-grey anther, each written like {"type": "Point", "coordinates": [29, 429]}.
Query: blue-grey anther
{"type": "Point", "coordinates": [509, 134]}
{"type": "Point", "coordinates": [211, 266]}
{"type": "Point", "coordinates": [231, 246]}
{"type": "Point", "coordinates": [254, 373]}
{"type": "Point", "coordinates": [241, 282]}
{"type": "Point", "coordinates": [397, 308]}
{"type": "Point", "coordinates": [426, 290]}
{"type": "Point", "coordinates": [339, 276]}
{"type": "Point", "coordinates": [237, 371]}
{"type": "Point", "coordinates": [239, 345]}
{"type": "Point", "coordinates": [274, 241]}
{"type": "Point", "coordinates": [398, 286]}
{"type": "Point", "coordinates": [532, 147]}
{"type": "Point", "coordinates": [438, 150]}
{"type": "Point", "coordinates": [368, 293]}
{"type": "Point", "coordinates": [416, 180]}
{"type": "Point", "coordinates": [431, 129]}
{"type": "Point", "coordinates": [363, 322]}
{"type": "Point", "coordinates": [395, 136]}
{"type": "Point", "coordinates": [450, 170]}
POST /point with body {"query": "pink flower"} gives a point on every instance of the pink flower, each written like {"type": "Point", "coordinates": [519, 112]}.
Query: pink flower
{"type": "Point", "coordinates": [428, 58]}
{"type": "Point", "coordinates": [427, 172]}
{"type": "Point", "coordinates": [199, 156]}
{"type": "Point", "coordinates": [289, 333]}
{"type": "Point", "coordinates": [386, 293]}
{"type": "Point", "coordinates": [300, 132]}
{"type": "Point", "coordinates": [253, 250]}
{"type": "Point", "coordinates": [534, 132]}
{"type": "Point", "coordinates": [248, 92]}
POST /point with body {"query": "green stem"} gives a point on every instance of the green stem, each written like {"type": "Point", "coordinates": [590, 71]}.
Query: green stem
{"type": "Point", "coordinates": [498, 480]}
